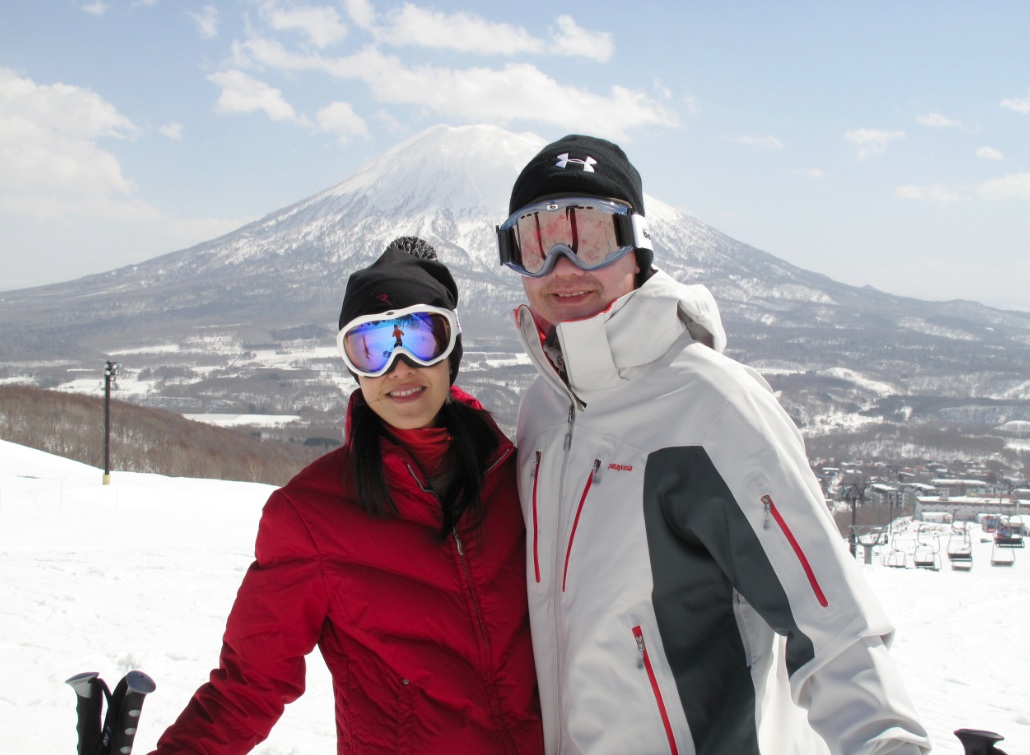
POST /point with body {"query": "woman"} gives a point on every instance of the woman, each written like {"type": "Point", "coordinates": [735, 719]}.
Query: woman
{"type": "Point", "coordinates": [401, 555]}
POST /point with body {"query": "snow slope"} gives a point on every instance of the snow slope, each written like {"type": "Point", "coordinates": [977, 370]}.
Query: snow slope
{"type": "Point", "coordinates": [141, 574]}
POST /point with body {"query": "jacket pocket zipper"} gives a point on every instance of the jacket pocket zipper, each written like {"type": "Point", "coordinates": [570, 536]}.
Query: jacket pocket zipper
{"type": "Point", "coordinates": [536, 521]}
{"type": "Point", "coordinates": [645, 661]}
{"type": "Point", "coordinates": [771, 510]}
{"type": "Point", "coordinates": [575, 522]}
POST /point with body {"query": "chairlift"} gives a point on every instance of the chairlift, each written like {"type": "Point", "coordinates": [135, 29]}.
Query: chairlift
{"type": "Point", "coordinates": [926, 558]}
{"type": "Point", "coordinates": [868, 538]}
{"type": "Point", "coordinates": [1002, 555]}
{"type": "Point", "coordinates": [1007, 536]}
{"type": "Point", "coordinates": [896, 558]}
{"type": "Point", "coordinates": [927, 552]}
{"type": "Point", "coordinates": [960, 549]}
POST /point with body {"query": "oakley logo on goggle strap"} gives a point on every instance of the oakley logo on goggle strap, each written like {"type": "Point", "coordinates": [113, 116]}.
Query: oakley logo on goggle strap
{"type": "Point", "coordinates": [590, 232]}
{"type": "Point", "coordinates": [424, 334]}
{"type": "Point", "coordinates": [587, 163]}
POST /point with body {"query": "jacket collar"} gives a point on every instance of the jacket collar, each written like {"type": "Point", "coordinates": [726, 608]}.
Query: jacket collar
{"type": "Point", "coordinates": [604, 351]}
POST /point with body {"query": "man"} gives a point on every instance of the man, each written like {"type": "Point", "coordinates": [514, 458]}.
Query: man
{"type": "Point", "coordinates": [685, 576]}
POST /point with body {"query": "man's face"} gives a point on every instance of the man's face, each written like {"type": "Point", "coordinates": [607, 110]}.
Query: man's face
{"type": "Point", "coordinates": [568, 293]}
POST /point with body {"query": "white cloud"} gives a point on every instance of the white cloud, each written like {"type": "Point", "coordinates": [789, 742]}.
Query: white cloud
{"type": "Point", "coordinates": [243, 94]}
{"type": "Point", "coordinates": [769, 141]}
{"type": "Point", "coordinates": [268, 53]}
{"type": "Point", "coordinates": [688, 102]}
{"type": "Point", "coordinates": [516, 92]}
{"type": "Point", "coordinates": [321, 25]}
{"type": "Point", "coordinates": [95, 8]}
{"type": "Point", "coordinates": [816, 173]}
{"type": "Point", "coordinates": [513, 93]}
{"type": "Point", "coordinates": [172, 131]}
{"type": "Point", "coordinates": [572, 40]}
{"type": "Point", "coordinates": [1015, 186]}
{"type": "Point", "coordinates": [51, 162]}
{"type": "Point", "coordinates": [207, 21]}
{"type": "Point", "coordinates": [56, 173]}
{"type": "Point", "coordinates": [936, 120]}
{"type": "Point", "coordinates": [989, 153]}
{"type": "Point", "coordinates": [339, 118]}
{"type": "Point", "coordinates": [933, 193]}
{"type": "Point", "coordinates": [1019, 105]}
{"type": "Point", "coordinates": [871, 141]}
{"type": "Point", "coordinates": [465, 32]}
{"type": "Point", "coordinates": [414, 26]}
{"type": "Point", "coordinates": [361, 13]}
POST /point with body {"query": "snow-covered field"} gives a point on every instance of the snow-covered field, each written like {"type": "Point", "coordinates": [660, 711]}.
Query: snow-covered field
{"type": "Point", "coordinates": [244, 420]}
{"type": "Point", "coordinates": [141, 573]}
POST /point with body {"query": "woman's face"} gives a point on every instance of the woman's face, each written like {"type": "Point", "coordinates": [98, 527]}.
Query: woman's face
{"type": "Point", "coordinates": [407, 397]}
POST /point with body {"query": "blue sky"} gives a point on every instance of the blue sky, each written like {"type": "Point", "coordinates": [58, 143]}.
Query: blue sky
{"type": "Point", "coordinates": [879, 143]}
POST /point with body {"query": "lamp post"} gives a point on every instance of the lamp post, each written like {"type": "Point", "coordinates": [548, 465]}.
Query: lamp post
{"type": "Point", "coordinates": [111, 370]}
{"type": "Point", "coordinates": [855, 493]}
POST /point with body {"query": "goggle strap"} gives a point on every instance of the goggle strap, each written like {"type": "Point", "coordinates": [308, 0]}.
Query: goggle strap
{"type": "Point", "coordinates": [504, 244]}
{"type": "Point", "coordinates": [638, 230]}
{"type": "Point", "coordinates": [623, 229]}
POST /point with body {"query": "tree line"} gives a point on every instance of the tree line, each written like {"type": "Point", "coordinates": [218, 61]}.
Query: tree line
{"type": "Point", "coordinates": [142, 439]}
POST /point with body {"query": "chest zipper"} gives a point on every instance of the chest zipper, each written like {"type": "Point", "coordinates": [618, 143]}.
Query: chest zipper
{"type": "Point", "coordinates": [644, 661]}
{"type": "Point", "coordinates": [536, 520]}
{"type": "Point", "coordinates": [771, 510]}
{"type": "Point", "coordinates": [468, 583]}
{"type": "Point", "coordinates": [569, 425]}
{"type": "Point", "coordinates": [575, 522]}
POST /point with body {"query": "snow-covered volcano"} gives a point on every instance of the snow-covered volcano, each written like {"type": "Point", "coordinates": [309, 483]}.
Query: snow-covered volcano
{"type": "Point", "coordinates": [832, 350]}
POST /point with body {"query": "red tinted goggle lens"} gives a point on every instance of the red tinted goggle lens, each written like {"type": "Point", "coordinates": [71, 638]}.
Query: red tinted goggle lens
{"type": "Point", "coordinates": [596, 231]}
{"type": "Point", "coordinates": [426, 335]}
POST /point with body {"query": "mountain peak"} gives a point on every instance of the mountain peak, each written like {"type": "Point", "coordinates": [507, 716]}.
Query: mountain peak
{"type": "Point", "coordinates": [444, 168]}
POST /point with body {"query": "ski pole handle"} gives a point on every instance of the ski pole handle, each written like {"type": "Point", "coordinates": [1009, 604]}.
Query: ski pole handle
{"type": "Point", "coordinates": [89, 693]}
{"type": "Point", "coordinates": [979, 742]}
{"type": "Point", "coordinates": [124, 711]}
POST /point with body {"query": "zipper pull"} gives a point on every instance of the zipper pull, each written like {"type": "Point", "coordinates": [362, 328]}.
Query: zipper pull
{"type": "Point", "coordinates": [571, 420]}
{"type": "Point", "coordinates": [767, 502]}
{"type": "Point", "coordinates": [639, 637]}
{"type": "Point", "coordinates": [457, 542]}
{"type": "Point", "coordinates": [595, 473]}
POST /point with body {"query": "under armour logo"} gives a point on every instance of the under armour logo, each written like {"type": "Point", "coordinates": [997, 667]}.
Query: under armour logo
{"type": "Point", "coordinates": [588, 164]}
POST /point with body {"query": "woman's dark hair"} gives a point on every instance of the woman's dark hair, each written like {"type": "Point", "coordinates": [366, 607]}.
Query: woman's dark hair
{"type": "Point", "coordinates": [473, 441]}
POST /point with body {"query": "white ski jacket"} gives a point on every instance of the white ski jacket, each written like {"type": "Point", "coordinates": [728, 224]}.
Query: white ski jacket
{"type": "Point", "coordinates": [685, 577]}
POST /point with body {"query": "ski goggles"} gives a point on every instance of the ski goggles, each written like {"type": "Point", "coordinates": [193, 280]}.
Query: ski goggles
{"type": "Point", "coordinates": [371, 344]}
{"type": "Point", "coordinates": [590, 232]}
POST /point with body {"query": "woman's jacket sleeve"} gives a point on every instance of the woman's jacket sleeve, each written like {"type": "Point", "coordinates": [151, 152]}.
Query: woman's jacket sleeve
{"type": "Point", "coordinates": [275, 622]}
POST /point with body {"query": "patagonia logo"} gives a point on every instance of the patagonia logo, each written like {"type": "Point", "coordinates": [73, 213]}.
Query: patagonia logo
{"type": "Point", "coordinates": [621, 467]}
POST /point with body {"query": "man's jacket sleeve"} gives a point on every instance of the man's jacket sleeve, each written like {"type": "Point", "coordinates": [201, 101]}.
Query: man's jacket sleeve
{"type": "Point", "coordinates": [756, 506]}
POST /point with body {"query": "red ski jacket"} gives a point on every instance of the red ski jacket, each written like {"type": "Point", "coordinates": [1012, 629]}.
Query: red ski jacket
{"type": "Point", "coordinates": [427, 640]}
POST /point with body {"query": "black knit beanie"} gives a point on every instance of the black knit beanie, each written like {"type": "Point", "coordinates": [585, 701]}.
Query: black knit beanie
{"type": "Point", "coordinates": [578, 165]}
{"type": "Point", "coordinates": [407, 273]}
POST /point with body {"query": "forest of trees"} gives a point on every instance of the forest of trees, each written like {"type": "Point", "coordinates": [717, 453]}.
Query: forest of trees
{"type": "Point", "coordinates": [144, 440]}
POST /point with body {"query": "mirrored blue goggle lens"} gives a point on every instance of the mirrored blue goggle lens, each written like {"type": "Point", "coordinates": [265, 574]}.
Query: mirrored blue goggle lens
{"type": "Point", "coordinates": [590, 232]}
{"type": "Point", "coordinates": [426, 336]}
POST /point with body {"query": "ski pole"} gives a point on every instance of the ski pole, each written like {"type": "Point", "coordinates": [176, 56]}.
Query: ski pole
{"type": "Point", "coordinates": [979, 742]}
{"type": "Point", "coordinates": [123, 713]}
{"type": "Point", "coordinates": [90, 691]}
